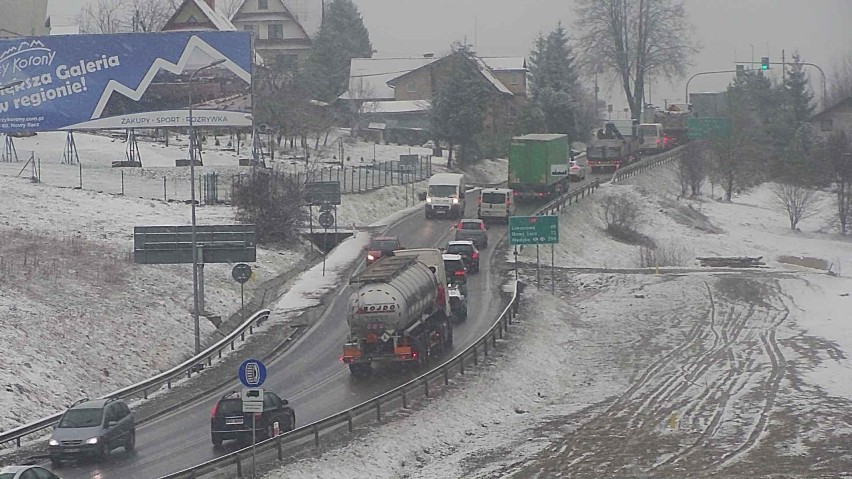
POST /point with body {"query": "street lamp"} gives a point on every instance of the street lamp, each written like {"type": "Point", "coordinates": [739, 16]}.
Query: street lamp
{"type": "Point", "coordinates": [192, 202]}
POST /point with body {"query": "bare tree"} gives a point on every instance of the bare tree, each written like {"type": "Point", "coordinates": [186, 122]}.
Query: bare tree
{"type": "Point", "coordinates": [691, 170]}
{"type": "Point", "coordinates": [798, 201]}
{"type": "Point", "coordinates": [150, 15]}
{"type": "Point", "coordinates": [737, 157]}
{"type": "Point", "coordinates": [838, 152]}
{"type": "Point", "coordinates": [840, 81]}
{"type": "Point", "coordinates": [103, 16]}
{"type": "Point", "coordinates": [362, 96]}
{"type": "Point", "coordinates": [637, 40]}
{"type": "Point", "coordinates": [228, 7]}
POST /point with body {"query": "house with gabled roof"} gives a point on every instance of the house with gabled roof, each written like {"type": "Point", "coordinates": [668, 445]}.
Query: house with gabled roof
{"type": "Point", "coordinates": [198, 15]}
{"type": "Point", "coordinates": [282, 28]}
{"type": "Point", "coordinates": [837, 117]}
{"type": "Point", "coordinates": [395, 93]}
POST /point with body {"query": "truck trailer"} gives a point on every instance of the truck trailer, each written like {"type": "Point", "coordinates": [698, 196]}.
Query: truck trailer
{"type": "Point", "coordinates": [398, 314]}
{"type": "Point", "coordinates": [609, 148]}
{"type": "Point", "coordinates": [538, 166]}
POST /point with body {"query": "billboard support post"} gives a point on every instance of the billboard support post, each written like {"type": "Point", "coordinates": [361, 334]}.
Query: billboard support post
{"type": "Point", "coordinates": [192, 203]}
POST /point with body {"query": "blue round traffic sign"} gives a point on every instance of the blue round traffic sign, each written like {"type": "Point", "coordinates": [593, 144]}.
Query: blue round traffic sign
{"type": "Point", "coordinates": [252, 373]}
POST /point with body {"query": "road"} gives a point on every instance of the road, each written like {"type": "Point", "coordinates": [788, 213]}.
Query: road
{"type": "Point", "coordinates": [308, 373]}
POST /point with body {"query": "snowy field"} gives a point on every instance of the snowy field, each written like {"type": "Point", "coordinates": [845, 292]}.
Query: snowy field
{"type": "Point", "coordinates": [694, 374]}
{"type": "Point", "coordinates": [79, 317]}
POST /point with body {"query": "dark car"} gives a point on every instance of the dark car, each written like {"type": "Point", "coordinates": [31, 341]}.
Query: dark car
{"type": "Point", "coordinates": [456, 269]}
{"type": "Point", "coordinates": [474, 230]}
{"type": "Point", "coordinates": [92, 428]}
{"type": "Point", "coordinates": [468, 252]}
{"type": "Point", "coordinates": [382, 246]}
{"type": "Point", "coordinates": [228, 421]}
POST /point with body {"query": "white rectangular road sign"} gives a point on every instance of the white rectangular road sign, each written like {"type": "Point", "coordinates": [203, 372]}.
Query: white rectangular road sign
{"type": "Point", "coordinates": [252, 400]}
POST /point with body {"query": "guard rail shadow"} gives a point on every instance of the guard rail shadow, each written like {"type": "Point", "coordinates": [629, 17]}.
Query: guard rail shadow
{"type": "Point", "coordinates": [235, 464]}
{"type": "Point", "coordinates": [143, 389]}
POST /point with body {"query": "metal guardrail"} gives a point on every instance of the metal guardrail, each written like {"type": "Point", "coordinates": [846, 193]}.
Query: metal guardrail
{"type": "Point", "coordinates": [573, 196]}
{"type": "Point", "coordinates": [144, 388]}
{"type": "Point", "coordinates": [235, 463]}
{"type": "Point", "coordinates": [646, 164]}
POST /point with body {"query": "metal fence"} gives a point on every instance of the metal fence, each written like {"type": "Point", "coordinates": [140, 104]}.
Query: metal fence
{"type": "Point", "coordinates": [646, 164]}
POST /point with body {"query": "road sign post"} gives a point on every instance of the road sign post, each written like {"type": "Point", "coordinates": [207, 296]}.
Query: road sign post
{"type": "Point", "coordinates": [252, 374]}
{"type": "Point", "coordinates": [537, 230]}
{"type": "Point", "coordinates": [242, 273]}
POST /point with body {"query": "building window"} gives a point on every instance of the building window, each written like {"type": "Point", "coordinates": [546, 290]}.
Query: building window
{"type": "Point", "coordinates": [515, 80]}
{"type": "Point", "coordinates": [249, 28]}
{"type": "Point", "coordinates": [275, 30]}
{"type": "Point", "coordinates": [412, 87]}
{"type": "Point", "coordinates": [826, 125]}
{"type": "Point", "coordinates": [262, 4]}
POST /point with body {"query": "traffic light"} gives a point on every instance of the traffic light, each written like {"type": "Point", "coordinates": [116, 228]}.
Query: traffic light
{"type": "Point", "coordinates": [764, 63]}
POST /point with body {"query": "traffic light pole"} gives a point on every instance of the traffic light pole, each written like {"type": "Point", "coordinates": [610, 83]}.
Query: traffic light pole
{"type": "Point", "coordinates": [686, 91]}
{"type": "Point", "coordinates": [822, 74]}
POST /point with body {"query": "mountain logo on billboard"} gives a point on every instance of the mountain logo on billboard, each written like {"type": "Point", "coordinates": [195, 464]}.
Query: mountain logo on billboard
{"type": "Point", "coordinates": [196, 49]}
{"type": "Point", "coordinates": [26, 54]}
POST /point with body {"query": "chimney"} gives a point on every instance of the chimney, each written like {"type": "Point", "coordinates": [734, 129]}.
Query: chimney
{"type": "Point", "coordinates": [211, 4]}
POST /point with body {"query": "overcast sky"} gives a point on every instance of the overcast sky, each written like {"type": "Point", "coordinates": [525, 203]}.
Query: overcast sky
{"type": "Point", "coordinates": [728, 30]}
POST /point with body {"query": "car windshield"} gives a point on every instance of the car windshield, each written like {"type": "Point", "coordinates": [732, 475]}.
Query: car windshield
{"type": "Point", "coordinates": [442, 190]}
{"type": "Point", "coordinates": [494, 198]}
{"type": "Point", "coordinates": [384, 245]}
{"type": "Point", "coordinates": [452, 266]}
{"type": "Point", "coordinates": [459, 248]}
{"type": "Point", "coordinates": [470, 225]}
{"type": "Point", "coordinates": [84, 417]}
{"type": "Point", "coordinates": [648, 130]}
{"type": "Point", "coordinates": [230, 406]}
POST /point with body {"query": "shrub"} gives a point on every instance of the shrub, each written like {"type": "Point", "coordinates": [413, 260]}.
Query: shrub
{"type": "Point", "coordinates": [620, 216]}
{"type": "Point", "coordinates": [272, 201]}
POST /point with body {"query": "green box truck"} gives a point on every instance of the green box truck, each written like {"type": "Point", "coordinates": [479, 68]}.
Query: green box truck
{"type": "Point", "coordinates": [538, 165]}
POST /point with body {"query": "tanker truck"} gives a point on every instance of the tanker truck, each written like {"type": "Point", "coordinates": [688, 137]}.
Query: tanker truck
{"type": "Point", "coordinates": [397, 315]}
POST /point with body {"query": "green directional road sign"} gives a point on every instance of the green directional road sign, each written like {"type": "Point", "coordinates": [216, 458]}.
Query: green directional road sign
{"type": "Point", "coordinates": [533, 229]}
{"type": "Point", "coordinates": [699, 128]}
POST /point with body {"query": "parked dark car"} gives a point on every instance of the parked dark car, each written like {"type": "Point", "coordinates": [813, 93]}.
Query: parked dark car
{"type": "Point", "coordinates": [468, 252]}
{"type": "Point", "coordinates": [92, 428]}
{"type": "Point", "coordinates": [474, 230]}
{"type": "Point", "coordinates": [26, 472]}
{"type": "Point", "coordinates": [228, 421]}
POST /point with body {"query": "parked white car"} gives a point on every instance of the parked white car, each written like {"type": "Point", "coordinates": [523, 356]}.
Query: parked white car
{"type": "Point", "coordinates": [577, 170]}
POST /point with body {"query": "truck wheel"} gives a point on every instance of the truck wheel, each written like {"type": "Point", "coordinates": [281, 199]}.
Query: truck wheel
{"type": "Point", "coordinates": [359, 369]}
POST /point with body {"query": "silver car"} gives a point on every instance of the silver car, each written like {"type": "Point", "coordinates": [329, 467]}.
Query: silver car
{"type": "Point", "coordinates": [473, 230]}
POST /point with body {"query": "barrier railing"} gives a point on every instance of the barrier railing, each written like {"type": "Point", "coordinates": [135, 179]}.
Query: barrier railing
{"type": "Point", "coordinates": [144, 388]}
{"type": "Point", "coordinates": [573, 196]}
{"type": "Point", "coordinates": [234, 464]}
{"type": "Point", "coordinates": [646, 164]}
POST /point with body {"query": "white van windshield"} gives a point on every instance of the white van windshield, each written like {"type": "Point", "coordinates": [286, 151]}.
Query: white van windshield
{"type": "Point", "coordinates": [648, 130]}
{"type": "Point", "coordinates": [442, 191]}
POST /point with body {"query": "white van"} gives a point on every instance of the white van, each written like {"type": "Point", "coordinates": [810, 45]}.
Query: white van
{"type": "Point", "coordinates": [651, 138]}
{"type": "Point", "coordinates": [445, 196]}
{"type": "Point", "coordinates": [496, 203]}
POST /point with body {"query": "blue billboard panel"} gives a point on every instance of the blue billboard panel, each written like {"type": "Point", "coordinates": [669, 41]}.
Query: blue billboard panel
{"type": "Point", "coordinates": [128, 80]}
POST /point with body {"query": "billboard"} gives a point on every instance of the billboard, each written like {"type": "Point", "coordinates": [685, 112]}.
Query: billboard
{"type": "Point", "coordinates": [128, 80]}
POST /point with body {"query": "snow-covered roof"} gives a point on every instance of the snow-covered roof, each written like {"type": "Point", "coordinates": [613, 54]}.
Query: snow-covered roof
{"type": "Point", "coordinates": [220, 21]}
{"type": "Point", "coordinates": [368, 77]}
{"type": "Point", "coordinates": [505, 63]}
{"type": "Point", "coordinates": [489, 75]}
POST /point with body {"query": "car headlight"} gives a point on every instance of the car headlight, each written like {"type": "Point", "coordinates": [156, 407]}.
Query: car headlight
{"type": "Point", "coordinates": [371, 257]}
{"type": "Point", "coordinates": [52, 442]}
{"type": "Point", "coordinates": [428, 199]}
{"type": "Point", "coordinates": [455, 201]}
{"type": "Point", "coordinates": [93, 440]}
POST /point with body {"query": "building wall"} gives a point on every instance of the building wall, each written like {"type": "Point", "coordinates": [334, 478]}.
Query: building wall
{"type": "Point", "coordinates": [23, 18]}
{"type": "Point", "coordinates": [515, 80]}
{"type": "Point", "coordinates": [293, 40]}
{"type": "Point", "coordinates": [837, 119]}
{"type": "Point", "coordinates": [182, 21]}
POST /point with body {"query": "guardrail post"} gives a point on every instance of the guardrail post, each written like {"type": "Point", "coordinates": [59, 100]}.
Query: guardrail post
{"type": "Point", "coordinates": [239, 465]}
{"type": "Point", "coordinates": [232, 345]}
{"type": "Point", "coordinates": [145, 393]}
{"type": "Point", "coordinates": [349, 420]}
{"type": "Point", "coordinates": [404, 399]}
{"type": "Point", "coordinates": [189, 373]}
{"type": "Point", "coordinates": [209, 360]}
{"type": "Point", "coordinates": [243, 336]}
{"type": "Point", "coordinates": [485, 343]}
{"type": "Point", "coordinates": [446, 377]}
{"type": "Point", "coordinates": [461, 365]}
{"type": "Point", "coordinates": [475, 358]}
{"type": "Point", "coordinates": [251, 329]}
{"type": "Point", "coordinates": [18, 442]}
{"type": "Point", "coordinates": [494, 338]}
{"type": "Point", "coordinates": [378, 410]}
{"type": "Point", "coordinates": [426, 387]}
{"type": "Point", "coordinates": [169, 384]}
{"type": "Point", "coordinates": [220, 354]}
{"type": "Point", "coordinates": [278, 446]}
{"type": "Point", "coordinates": [316, 435]}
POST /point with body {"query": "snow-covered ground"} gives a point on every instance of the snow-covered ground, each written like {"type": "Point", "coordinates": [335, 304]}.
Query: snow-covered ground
{"type": "Point", "coordinates": [79, 317]}
{"type": "Point", "coordinates": [575, 356]}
